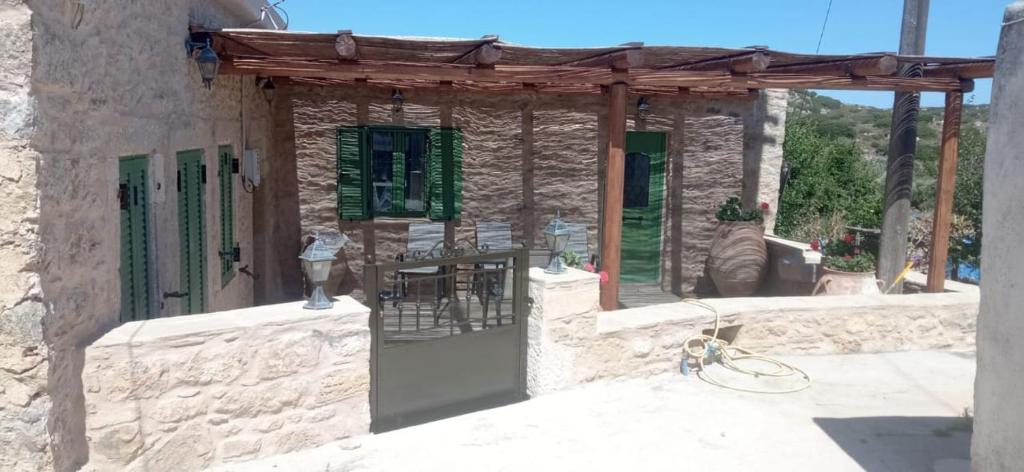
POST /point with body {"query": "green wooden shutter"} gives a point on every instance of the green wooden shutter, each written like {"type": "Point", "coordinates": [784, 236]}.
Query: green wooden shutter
{"type": "Point", "coordinates": [353, 174]}
{"type": "Point", "coordinates": [445, 173]}
{"type": "Point", "coordinates": [192, 231]}
{"type": "Point", "coordinates": [133, 200]}
{"type": "Point", "coordinates": [227, 214]}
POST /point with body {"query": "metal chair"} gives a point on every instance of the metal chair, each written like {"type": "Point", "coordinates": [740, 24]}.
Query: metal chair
{"type": "Point", "coordinates": [489, 276]}
{"type": "Point", "coordinates": [426, 240]}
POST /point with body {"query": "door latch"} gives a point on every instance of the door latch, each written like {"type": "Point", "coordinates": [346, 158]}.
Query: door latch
{"type": "Point", "coordinates": [175, 294]}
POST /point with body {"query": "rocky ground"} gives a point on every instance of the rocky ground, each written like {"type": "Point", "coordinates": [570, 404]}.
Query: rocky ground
{"type": "Point", "coordinates": [876, 412]}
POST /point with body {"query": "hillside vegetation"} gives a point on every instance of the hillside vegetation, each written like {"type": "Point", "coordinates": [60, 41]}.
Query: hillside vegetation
{"type": "Point", "coordinates": [836, 155]}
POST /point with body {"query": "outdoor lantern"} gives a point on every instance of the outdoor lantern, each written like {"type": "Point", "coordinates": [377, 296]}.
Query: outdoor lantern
{"type": "Point", "coordinates": [397, 100]}
{"type": "Point", "coordinates": [316, 263]}
{"type": "Point", "coordinates": [208, 63]}
{"type": "Point", "coordinates": [206, 60]}
{"type": "Point", "coordinates": [266, 84]}
{"type": "Point", "coordinates": [556, 235]}
{"type": "Point", "coordinates": [643, 108]}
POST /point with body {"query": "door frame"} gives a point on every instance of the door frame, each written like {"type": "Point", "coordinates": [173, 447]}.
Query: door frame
{"type": "Point", "coordinates": [659, 177]}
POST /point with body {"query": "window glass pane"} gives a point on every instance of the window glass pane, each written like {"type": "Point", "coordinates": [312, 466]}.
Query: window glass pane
{"type": "Point", "coordinates": [381, 165]}
{"type": "Point", "coordinates": [637, 180]}
{"type": "Point", "coordinates": [415, 170]}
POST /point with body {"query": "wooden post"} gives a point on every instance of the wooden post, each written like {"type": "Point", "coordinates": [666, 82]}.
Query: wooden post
{"type": "Point", "coordinates": [615, 168]}
{"type": "Point", "coordinates": [447, 122]}
{"type": "Point", "coordinates": [899, 170]}
{"type": "Point", "coordinates": [944, 192]}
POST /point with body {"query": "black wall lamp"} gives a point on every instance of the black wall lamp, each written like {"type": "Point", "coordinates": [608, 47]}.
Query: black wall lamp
{"type": "Point", "coordinates": [200, 47]}
{"type": "Point", "coordinates": [643, 109]}
{"type": "Point", "coordinates": [266, 85]}
{"type": "Point", "coordinates": [397, 101]}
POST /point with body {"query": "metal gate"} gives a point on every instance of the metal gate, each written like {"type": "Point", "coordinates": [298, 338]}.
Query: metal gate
{"type": "Point", "coordinates": [449, 335]}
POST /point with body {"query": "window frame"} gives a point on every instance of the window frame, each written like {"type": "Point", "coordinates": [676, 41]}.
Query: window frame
{"type": "Point", "coordinates": [367, 154]}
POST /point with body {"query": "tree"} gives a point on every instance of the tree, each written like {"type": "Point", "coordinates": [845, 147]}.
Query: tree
{"type": "Point", "coordinates": [827, 177]}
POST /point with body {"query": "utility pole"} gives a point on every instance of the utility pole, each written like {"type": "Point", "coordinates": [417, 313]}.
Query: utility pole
{"type": "Point", "coordinates": [899, 171]}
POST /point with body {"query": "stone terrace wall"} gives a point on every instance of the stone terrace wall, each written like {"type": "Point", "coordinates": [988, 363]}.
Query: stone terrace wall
{"type": "Point", "coordinates": [717, 148]}
{"type": "Point", "coordinates": [184, 393]}
{"type": "Point", "coordinates": [571, 341]}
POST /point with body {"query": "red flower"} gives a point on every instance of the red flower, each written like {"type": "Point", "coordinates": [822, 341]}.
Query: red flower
{"type": "Point", "coordinates": [764, 206]}
{"type": "Point", "coordinates": [588, 267]}
{"type": "Point", "coordinates": [849, 238]}
{"type": "Point", "coordinates": [604, 276]}
{"type": "Point", "coordinates": [815, 245]}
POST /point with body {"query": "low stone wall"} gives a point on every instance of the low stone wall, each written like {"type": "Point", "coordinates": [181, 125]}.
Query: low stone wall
{"type": "Point", "coordinates": [572, 341]}
{"type": "Point", "coordinates": [188, 392]}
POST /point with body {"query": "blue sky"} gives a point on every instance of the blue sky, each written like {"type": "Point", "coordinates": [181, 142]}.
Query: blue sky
{"type": "Point", "coordinates": [955, 28]}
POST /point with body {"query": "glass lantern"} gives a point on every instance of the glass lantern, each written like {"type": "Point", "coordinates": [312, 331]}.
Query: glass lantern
{"type": "Point", "coordinates": [556, 235]}
{"type": "Point", "coordinates": [317, 259]}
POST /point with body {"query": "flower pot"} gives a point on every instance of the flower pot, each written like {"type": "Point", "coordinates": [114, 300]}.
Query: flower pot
{"type": "Point", "coordinates": [739, 258]}
{"type": "Point", "coordinates": [837, 282]}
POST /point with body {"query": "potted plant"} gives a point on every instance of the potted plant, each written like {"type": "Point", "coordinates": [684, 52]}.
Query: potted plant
{"type": "Point", "coordinates": [739, 259]}
{"type": "Point", "coordinates": [846, 268]}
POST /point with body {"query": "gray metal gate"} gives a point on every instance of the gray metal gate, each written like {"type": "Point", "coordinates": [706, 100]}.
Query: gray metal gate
{"type": "Point", "coordinates": [449, 335]}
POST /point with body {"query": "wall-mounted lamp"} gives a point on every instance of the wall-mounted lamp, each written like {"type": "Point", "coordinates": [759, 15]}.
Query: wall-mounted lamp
{"type": "Point", "coordinates": [266, 85]}
{"type": "Point", "coordinates": [397, 101]}
{"type": "Point", "coordinates": [643, 109]}
{"type": "Point", "coordinates": [200, 47]}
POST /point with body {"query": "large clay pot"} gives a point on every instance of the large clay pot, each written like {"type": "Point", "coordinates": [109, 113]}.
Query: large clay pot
{"type": "Point", "coordinates": [837, 282]}
{"type": "Point", "coordinates": [739, 258]}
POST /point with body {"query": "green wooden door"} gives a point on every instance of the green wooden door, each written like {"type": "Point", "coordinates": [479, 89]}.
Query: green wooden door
{"type": "Point", "coordinates": [642, 201]}
{"type": "Point", "coordinates": [134, 202]}
{"type": "Point", "coordinates": [192, 230]}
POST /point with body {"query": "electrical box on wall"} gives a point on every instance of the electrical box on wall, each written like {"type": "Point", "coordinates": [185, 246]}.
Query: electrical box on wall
{"type": "Point", "coordinates": [251, 167]}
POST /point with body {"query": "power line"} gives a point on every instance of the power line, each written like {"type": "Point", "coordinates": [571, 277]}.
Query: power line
{"type": "Point", "coordinates": [823, 24]}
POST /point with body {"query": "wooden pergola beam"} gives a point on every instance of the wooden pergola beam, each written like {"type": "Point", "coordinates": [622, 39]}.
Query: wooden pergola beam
{"type": "Point", "coordinates": [346, 46]}
{"type": "Point", "coordinates": [945, 186]}
{"type": "Point", "coordinates": [375, 70]}
{"type": "Point", "coordinates": [968, 70]}
{"type": "Point", "coordinates": [486, 54]}
{"type": "Point", "coordinates": [884, 65]}
{"type": "Point", "coordinates": [629, 58]}
{"type": "Point", "coordinates": [756, 61]}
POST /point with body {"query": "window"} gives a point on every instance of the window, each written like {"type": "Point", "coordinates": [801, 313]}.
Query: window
{"type": "Point", "coordinates": [399, 172]}
{"type": "Point", "coordinates": [637, 180]}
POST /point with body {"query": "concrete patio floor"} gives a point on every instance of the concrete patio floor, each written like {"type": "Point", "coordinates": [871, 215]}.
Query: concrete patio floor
{"type": "Point", "coordinates": [876, 412]}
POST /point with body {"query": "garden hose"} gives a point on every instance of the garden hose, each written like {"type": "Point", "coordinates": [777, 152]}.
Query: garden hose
{"type": "Point", "coordinates": [906, 270]}
{"type": "Point", "coordinates": [702, 347]}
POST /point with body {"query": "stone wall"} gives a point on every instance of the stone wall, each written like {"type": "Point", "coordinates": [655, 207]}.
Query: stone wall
{"type": "Point", "coordinates": [528, 155]}
{"type": "Point", "coordinates": [75, 97]}
{"type": "Point", "coordinates": [998, 401]}
{"type": "Point", "coordinates": [23, 351]}
{"type": "Point", "coordinates": [571, 341]}
{"type": "Point", "coordinates": [184, 393]}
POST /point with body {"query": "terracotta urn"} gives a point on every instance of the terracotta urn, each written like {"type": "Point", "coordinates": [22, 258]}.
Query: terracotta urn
{"type": "Point", "coordinates": [837, 282]}
{"type": "Point", "coordinates": [739, 258]}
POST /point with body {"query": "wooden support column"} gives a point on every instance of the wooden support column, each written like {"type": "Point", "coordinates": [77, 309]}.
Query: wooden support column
{"type": "Point", "coordinates": [615, 168]}
{"type": "Point", "coordinates": [446, 122]}
{"type": "Point", "coordinates": [369, 233]}
{"type": "Point", "coordinates": [945, 185]}
{"type": "Point", "coordinates": [529, 205]}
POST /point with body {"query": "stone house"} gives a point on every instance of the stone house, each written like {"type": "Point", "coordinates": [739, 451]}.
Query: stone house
{"type": "Point", "coordinates": [526, 156]}
{"type": "Point", "coordinates": [130, 191]}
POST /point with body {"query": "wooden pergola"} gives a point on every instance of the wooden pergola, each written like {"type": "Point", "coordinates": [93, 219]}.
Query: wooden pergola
{"type": "Point", "coordinates": [493, 66]}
